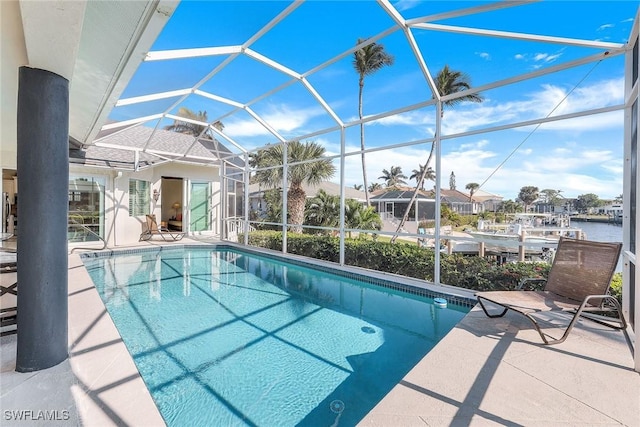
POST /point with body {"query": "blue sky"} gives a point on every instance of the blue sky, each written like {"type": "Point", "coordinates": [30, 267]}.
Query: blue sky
{"type": "Point", "coordinates": [576, 156]}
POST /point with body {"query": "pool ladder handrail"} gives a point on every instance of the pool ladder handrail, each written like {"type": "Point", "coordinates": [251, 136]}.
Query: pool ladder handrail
{"type": "Point", "coordinates": [74, 223]}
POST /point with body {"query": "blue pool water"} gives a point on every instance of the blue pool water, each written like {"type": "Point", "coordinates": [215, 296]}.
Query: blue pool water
{"type": "Point", "coordinates": [222, 337]}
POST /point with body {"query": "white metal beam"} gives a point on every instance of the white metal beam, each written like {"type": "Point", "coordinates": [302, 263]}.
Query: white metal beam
{"type": "Point", "coordinates": [322, 102]}
{"type": "Point", "coordinates": [218, 98]}
{"type": "Point", "coordinates": [521, 36]}
{"type": "Point", "coordinates": [135, 121]}
{"type": "Point", "coordinates": [470, 11]}
{"type": "Point", "coordinates": [152, 97]}
{"type": "Point", "coordinates": [271, 63]}
{"type": "Point", "coordinates": [163, 55]}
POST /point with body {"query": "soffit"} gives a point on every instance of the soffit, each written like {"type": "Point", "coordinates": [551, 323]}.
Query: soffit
{"type": "Point", "coordinates": [96, 45]}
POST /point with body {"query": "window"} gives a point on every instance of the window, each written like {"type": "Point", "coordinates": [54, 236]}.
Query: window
{"type": "Point", "coordinates": [139, 197]}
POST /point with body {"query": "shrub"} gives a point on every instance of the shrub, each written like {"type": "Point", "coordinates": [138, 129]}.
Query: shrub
{"type": "Point", "coordinates": [616, 287]}
{"type": "Point", "coordinates": [406, 259]}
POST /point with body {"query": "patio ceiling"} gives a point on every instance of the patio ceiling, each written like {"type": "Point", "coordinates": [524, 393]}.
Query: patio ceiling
{"type": "Point", "coordinates": [221, 71]}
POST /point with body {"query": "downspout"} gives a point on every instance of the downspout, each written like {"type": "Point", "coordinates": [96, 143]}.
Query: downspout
{"type": "Point", "coordinates": [115, 208]}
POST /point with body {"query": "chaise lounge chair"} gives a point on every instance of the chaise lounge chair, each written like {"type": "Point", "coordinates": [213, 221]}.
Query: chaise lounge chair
{"type": "Point", "coordinates": [578, 282]}
{"type": "Point", "coordinates": [154, 230]}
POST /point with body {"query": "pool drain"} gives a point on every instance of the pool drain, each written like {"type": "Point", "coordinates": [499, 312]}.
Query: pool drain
{"type": "Point", "coordinates": [337, 406]}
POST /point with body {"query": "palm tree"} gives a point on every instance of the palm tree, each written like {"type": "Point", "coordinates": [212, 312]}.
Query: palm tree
{"type": "Point", "coordinates": [311, 173]}
{"type": "Point", "coordinates": [192, 128]}
{"type": "Point", "coordinates": [374, 186]}
{"type": "Point", "coordinates": [323, 210]}
{"type": "Point", "coordinates": [509, 206]}
{"type": "Point", "coordinates": [393, 176]}
{"type": "Point", "coordinates": [367, 60]}
{"type": "Point", "coordinates": [357, 186]}
{"type": "Point", "coordinates": [358, 216]}
{"type": "Point", "coordinates": [472, 187]}
{"type": "Point", "coordinates": [447, 82]}
{"type": "Point", "coordinates": [417, 173]}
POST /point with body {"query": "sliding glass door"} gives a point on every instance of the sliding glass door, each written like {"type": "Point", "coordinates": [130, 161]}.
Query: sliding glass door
{"type": "Point", "coordinates": [86, 208]}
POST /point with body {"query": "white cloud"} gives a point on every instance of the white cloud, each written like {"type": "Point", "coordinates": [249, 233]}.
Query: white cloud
{"type": "Point", "coordinates": [403, 5]}
{"type": "Point", "coordinates": [283, 118]}
{"type": "Point", "coordinates": [538, 59]}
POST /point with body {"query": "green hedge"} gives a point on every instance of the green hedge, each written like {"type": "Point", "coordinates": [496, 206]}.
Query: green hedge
{"type": "Point", "coordinates": [405, 259]}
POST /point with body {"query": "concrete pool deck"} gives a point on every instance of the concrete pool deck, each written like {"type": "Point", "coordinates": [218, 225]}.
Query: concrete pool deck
{"type": "Point", "coordinates": [484, 372]}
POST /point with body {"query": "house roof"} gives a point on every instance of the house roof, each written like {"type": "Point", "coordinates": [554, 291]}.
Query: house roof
{"type": "Point", "coordinates": [330, 188]}
{"type": "Point", "coordinates": [109, 149]}
{"type": "Point", "coordinates": [400, 194]}
{"type": "Point", "coordinates": [483, 196]}
{"type": "Point", "coordinates": [455, 196]}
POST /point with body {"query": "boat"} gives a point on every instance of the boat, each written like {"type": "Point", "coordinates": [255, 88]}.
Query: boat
{"type": "Point", "coordinates": [527, 236]}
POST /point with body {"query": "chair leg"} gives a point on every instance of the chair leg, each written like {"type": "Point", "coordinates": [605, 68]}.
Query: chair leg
{"type": "Point", "coordinates": [620, 320]}
{"type": "Point", "coordinates": [493, 316]}
{"type": "Point", "coordinates": [576, 316]}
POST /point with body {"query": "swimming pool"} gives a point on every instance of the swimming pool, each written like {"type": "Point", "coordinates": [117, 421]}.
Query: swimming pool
{"type": "Point", "coordinates": [224, 337]}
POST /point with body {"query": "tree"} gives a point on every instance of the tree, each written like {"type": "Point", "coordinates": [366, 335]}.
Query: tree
{"type": "Point", "coordinates": [587, 201]}
{"type": "Point", "coordinates": [417, 173]}
{"type": "Point", "coordinates": [618, 199]}
{"type": "Point", "coordinates": [311, 173]}
{"type": "Point", "coordinates": [472, 187]}
{"type": "Point", "coordinates": [357, 186]}
{"type": "Point", "coordinates": [192, 128]}
{"type": "Point", "coordinates": [550, 196]}
{"type": "Point", "coordinates": [374, 186]}
{"type": "Point", "coordinates": [273, 201]}
{"type": "Point", "coordinates": [528, 195]}
{"type": "Point", "coordinates": [323, 210]}
{"type": "Point", "coordinates": [447, 82]}
{"type": "Point", "coordinates": [509, 206]}
{"type": "Point", "coordinates": [357, 216]}
{"type": "Point", "coordinates": [393, 176]}
{"type": "Point", "coordinates": [367, 60]}
{"type": "Point", "coordinates": [452, 181]}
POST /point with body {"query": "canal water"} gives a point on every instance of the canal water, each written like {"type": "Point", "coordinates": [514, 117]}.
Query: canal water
{"type": "Point", "coordinates": [601, 232]}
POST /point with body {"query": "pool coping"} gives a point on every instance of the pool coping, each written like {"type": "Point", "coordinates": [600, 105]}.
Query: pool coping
{"type": "Point", "coordinates": [454, 295]}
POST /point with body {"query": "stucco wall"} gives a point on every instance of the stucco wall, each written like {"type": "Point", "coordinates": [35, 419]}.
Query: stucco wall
{"type": "Point", "coordinates": [122, 229]}
{"type": "Point", "coordinates": [14, 55]}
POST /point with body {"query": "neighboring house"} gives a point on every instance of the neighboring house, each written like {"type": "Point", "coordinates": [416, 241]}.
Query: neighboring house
{"type": "Point", "coordinates": [258, 205]}
{"type": "Point", "coordinates": [111, 190]}
{"type": "Point", "coordinates": [613, 210]}
{"type": "Point", "coordinates": [490, 202]}
{"type": "Point", "coordinates": [392, 202]}
{"type": "Point", "coordinates": [460, 202]}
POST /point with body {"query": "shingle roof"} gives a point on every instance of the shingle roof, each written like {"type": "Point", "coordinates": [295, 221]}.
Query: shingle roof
{"type": "Point", "coordinates": [400, 194]}
{"type": "Point", "coordinates": [163, 145]}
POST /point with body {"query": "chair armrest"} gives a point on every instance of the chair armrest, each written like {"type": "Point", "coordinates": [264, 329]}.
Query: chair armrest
{"type": "Point", "coordinates": [530, 280]}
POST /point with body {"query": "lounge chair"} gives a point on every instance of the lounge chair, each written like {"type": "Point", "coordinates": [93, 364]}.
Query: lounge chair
{"type": "Point", "coordinates": [154, 230]}
{"type": "Point", "coordinates": [578, 282]}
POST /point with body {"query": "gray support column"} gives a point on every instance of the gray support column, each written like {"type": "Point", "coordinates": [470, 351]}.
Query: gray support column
{"type": "Point", "coordinates": [43, 203]}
